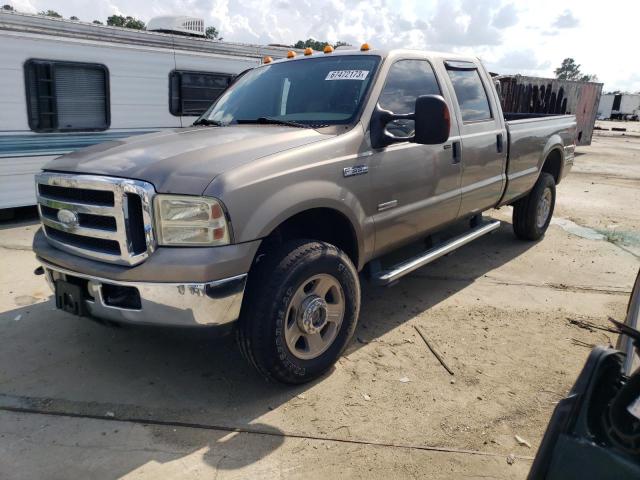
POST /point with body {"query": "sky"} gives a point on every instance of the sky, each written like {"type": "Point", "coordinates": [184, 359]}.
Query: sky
{"type": "Point", "coordinates": [527, 37]}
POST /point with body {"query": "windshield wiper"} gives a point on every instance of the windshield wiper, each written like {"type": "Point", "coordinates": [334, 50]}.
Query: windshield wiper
{"type": "Point", "coordinates": [208, 123]}
{"type": "Point", "coordinates": [275, 121]}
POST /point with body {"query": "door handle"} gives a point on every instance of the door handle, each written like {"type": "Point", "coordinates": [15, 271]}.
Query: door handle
{"type": "Point", "coordinates": [499, 143]}
{"type": "Point", "coordinates": [455, 147]}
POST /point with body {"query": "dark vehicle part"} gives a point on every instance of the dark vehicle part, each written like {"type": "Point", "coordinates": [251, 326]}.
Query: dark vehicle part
{"type": "Point", "coordinates": [595, 431]}
{"type": "Point", "coordinates": [532, 214]}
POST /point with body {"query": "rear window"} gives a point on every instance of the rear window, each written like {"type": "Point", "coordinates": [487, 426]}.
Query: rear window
{"type": "Point", "coordinates": [471, 95]}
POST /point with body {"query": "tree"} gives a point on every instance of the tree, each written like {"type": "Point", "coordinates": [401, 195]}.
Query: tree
{"type": "Point", "coordinates": [212, 33]}
{"type": "Point", "coordinates": [126, 22]}
{"type": "Point", "coordinates": [50, 13]}
{"type": "Point", "coordinates": [73, 18]}
{"type": "Point", "coordinates": [97, 22]}
{"type": "Point", "coordinates": [316, 44]}
{"type": "Point", "coordinates": [570, 70]}
{"type": "Point", "coordinates": [7, 7]}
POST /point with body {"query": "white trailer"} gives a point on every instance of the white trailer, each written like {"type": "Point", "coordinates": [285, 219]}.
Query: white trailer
{"type": "Point", "coordinates": [65, 85]}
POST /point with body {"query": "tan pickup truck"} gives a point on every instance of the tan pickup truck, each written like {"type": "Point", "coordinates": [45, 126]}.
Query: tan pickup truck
{"type": "Point", "coordinates": [302, 173]}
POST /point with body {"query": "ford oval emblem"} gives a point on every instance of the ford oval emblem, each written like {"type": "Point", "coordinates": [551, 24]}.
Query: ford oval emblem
{"type": "Point", "coordinates": [67, 217]}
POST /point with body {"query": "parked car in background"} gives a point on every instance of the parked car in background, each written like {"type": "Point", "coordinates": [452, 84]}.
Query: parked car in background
{"type": "Point", "coordinates": [65, 85]}
{"type": "Point", "coordinates": [305, 171]}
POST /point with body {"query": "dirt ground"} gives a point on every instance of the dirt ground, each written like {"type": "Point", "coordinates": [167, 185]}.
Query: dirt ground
{"type": "Point", "coordinates": [78, 399]}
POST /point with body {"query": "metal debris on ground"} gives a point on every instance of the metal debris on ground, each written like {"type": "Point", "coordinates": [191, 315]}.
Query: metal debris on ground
{"type": "Point", "coordinates": [366, 397]}
{"type": "Point", "coordinates": [590, 325]}
{"type": "Point", "coordinates": [580, 343]}
{"type": "Point", "coordinates": [405, 380]}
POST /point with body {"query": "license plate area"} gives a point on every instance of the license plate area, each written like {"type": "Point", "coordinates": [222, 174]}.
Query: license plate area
{"type": "Point", "coordinates": [70, 298]}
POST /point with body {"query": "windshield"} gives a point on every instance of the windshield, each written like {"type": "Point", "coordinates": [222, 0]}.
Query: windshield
{"type": "Point", "coordinates": [316, 91]}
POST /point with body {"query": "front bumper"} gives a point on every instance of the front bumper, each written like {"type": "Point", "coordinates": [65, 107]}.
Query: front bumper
{"type": "Point", "coordinates": [214, 303]}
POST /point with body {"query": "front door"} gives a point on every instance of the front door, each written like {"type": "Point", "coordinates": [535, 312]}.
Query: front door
{"type": "Point", "coordinates": [415, 188]}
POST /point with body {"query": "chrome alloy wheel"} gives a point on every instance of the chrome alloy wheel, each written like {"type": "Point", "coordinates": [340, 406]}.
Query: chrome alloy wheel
{"type": "Point", "coordinates": [314, 316]}
{"type": "Point", "coordinates": [544, 207]}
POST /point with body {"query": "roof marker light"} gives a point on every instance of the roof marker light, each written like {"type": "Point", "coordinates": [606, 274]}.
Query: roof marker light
{"type": "Point", "coordinates": [328, 49]}
{"type": "Point", "coordinates": [267, 60]}
{"type": "Point", "coordinates": [291, 54]}
{"type": "Point", "coordinates": [308, 51]}
{"type": "Point", "coordinates": [364, 47]}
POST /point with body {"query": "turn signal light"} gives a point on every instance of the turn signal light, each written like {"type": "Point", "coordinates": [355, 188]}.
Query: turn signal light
{"type": "Point", "coordinates": [364, 47]}
{"type": "Point", "coordinates": [291, 54]}
{"type": "Point", "coordinates": [267, 60]}
{"type": "Point", "coordinates": [308, 51]}
{"type": "Point", "coordinates": [328, 49]}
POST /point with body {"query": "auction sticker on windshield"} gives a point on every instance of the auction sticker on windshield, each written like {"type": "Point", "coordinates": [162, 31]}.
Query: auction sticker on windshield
{"type": "Point", "coordinates": [347, 75]}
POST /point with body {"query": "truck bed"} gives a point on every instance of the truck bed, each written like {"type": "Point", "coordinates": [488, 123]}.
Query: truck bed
{"type": "Point", "coordinates": [532, 138]}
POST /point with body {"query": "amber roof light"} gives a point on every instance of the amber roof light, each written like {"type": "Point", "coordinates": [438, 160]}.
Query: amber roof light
{"type": "Point", "coordinates": [308, 51]}
{"type": "Point", "coordinates": [328, 49]}
{"type": "Point", "coordinates": [267, 60]}
{"type": "Point", "coordinates": [291, 54]}
{"type": "Point", "coordinates": [364, 47]}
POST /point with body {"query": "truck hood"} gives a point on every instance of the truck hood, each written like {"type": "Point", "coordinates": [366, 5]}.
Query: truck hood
{"type": "Point", "coordinates": [184, 160]}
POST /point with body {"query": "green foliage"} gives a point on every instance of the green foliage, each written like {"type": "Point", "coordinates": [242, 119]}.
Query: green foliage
{"type": "Point", "coordinates": [570, 70]}
{"type": "Point", "coordinates": [97, 22]}
{"type": "Point", "coordinates": [126, 22]}
{"type": "Point", "coordinates": [7, 7]}
{"type": "Point", "coordinates": [73, 18]}
{"type": "Point", "coordinates": [213, 33]}
{"type": "Point", "coordinates": [50, 13]}
{"type": "Point", "coordinates": [316, 44]}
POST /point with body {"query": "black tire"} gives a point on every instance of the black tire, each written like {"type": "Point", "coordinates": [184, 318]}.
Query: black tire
{"type": "Point", "coordinates": [526, 218]}
{"type": "Point", "coordinates": [270, 290]}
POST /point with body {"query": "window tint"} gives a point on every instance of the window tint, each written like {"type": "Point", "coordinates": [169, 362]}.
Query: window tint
{"type": "Point", "coordinates": [191, 93]}
{"type": "Point", "coordinates": [407, 80]}
{"type": "Point", "coordinates": [471, 95]}
{"type": "Point", "coordinates": [66, 96]}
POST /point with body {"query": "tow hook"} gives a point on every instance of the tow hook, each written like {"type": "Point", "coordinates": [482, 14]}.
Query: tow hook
{"type": "Point", "coordinates": [39, 271]}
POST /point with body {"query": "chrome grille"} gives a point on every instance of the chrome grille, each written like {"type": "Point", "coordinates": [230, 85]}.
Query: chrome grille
{"type": "Point", "coordinates": [103, 218]}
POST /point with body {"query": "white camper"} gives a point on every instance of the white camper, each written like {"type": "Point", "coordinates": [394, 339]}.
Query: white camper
{"type": "Point", "coordinates": [65, 85]}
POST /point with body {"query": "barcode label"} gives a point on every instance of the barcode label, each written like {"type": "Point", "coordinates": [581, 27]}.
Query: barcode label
{"type": "Point", "coordinates": [347, 75]}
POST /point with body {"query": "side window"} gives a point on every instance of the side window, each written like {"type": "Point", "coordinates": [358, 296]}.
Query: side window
{"type": "Point", "coordinates": [191, 93]}
{"type": "Point", "coordinates": [65, 96]}
{"type": "Point", "coordinates": [407, 80]}
{"type": "Point", "coordinates": [471, 95]}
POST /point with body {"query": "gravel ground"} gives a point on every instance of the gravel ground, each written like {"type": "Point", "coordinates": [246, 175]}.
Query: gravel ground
{"type": "Point", "coordinates": [78, 399]}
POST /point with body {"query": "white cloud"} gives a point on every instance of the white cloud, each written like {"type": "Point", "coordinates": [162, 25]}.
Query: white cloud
{"type": "Point", "coordinates": [512, 35]}
{"type": "Point", "coordinates": [566, 20]}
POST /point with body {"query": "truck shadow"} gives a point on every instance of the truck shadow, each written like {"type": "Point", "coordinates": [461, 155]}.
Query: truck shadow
{"type": "Point", "coordinates": [54, 363]}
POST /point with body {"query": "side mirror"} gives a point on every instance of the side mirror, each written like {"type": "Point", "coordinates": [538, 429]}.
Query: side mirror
{"type": "Point", "coordinates": [431, 118]}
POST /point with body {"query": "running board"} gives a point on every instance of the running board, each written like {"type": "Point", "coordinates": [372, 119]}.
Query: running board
{"type": "Point", "coordinates": [386, 277]}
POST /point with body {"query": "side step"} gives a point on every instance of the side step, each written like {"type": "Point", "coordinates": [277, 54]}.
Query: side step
{"type": "Point", "coordinates": [386, 277]}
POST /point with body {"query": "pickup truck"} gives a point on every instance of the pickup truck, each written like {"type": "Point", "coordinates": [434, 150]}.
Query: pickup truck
{"type": "Point", "coordinates": [263, 215]}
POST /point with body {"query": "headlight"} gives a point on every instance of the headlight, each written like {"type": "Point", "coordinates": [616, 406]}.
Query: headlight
{"type": "Point", "coordinates": [185, 220]}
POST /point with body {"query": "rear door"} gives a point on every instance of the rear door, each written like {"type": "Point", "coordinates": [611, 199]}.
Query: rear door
{"type": "Point", "coordinates": [415, 187]}
{"type": "Point", "coordinates": [482, 136]}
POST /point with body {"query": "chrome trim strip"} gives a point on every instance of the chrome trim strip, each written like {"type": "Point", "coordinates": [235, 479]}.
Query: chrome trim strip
{"type": "Point", "coordinates": [211, 303]}
{"type": "Point", "coordinates": [78, 230]}
{"type": "Point", "coordinates": [408, 266]}
{"type": "Point", "coordinates": [119, 211]}
{"type": "Point", "coordinates": [387, 205]}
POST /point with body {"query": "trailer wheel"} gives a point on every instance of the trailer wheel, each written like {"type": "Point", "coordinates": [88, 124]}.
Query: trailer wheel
{"type": "Point", "coordinates": [300, 311]}
{"type": "Point", "coordinates": [532, 214]}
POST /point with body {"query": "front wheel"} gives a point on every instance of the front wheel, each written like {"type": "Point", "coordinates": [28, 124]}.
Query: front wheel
{"type": "Point", "coordinates": [532, 214]}
{"type": "Point", "coordinates": [301, 309]}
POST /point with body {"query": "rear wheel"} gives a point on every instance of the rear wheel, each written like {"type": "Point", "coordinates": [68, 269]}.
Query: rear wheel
{"type": "Point", "coordinates": [300, 312]}
{"type": "Point", "coordinates": [532, 214]}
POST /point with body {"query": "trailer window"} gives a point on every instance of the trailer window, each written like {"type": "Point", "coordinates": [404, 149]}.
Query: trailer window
{"type": "Point", "coordinates": [471, 95]}
{"type": "Point", "coordinates": [66, 96]}
{"type": "Point", "coordinates": [192, 93]}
